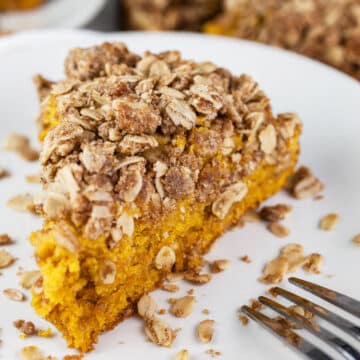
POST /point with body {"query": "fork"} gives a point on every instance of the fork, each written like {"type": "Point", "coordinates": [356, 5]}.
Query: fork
{"type": "Point", "coordinates": [284, 329]}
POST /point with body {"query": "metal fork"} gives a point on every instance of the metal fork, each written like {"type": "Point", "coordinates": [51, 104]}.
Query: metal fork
{"type": "Point", "coordinates": [285, 331]}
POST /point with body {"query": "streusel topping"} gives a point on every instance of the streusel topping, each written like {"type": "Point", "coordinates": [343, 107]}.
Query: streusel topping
{"type": "Point", "coordinates": [138, 134]}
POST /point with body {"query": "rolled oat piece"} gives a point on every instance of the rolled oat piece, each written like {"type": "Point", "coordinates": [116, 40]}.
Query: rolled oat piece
{"type": "Point", "coordinates": [146, 160]}
{"type": "Point", "coordinates": [326, 30]}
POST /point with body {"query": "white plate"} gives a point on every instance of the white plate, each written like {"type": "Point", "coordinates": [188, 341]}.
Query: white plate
{"type": "Point", "coordinates": [53, 14]}
{"type": "Point", "coordinates": [327, 102]}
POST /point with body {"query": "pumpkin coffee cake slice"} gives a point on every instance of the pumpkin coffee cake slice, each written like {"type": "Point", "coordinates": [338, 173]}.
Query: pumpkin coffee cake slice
{"type": "Point", "coordinates": [145, 162]}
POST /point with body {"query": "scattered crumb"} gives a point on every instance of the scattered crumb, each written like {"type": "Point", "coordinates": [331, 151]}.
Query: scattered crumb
{"type": "Point", "coordinates": [45, 333]}
{"type": "Point", "coordinates": [291, 257]}
{"type": "Point", "coordinates": [182, 355]}
{"type": "Point", "coordinates": [304, 184]}
{"type": "Point", "coordinates": [170, 287]}
{"type": "Point", "coordinates": [245, 259]}
{"type": "Point", "coordinates": [213, 352]}
{"type": "Point", "coordinates": [3, 173]}
{"type": "Point", "coordinates": [22, 202]}
{"type": "Point", "coordinates": [251, 216]}
{"type": "Point", "coordinates": [172, 277]}
{"type": "Point", "coordinates": [162, 311]}
{"type": "Point", "coordinates": [34, 353]}
{"type": "Point", "coordinates": [319, 197]}
{"type": "Point", "coordinates": [5, 239]}
{"type": "Point", "coordinates": [6, 259]}
{"type": "Point", "coordinates": [272, 292]}
{"type": "Point", "coordinates": [197, 278]}
{"type": "Point", "coordinates": [313, 263]}
{"type": "Point", "coordinates": [26, 327]}
{"type": "Point", "coordinates": [356, 239]}
{"type": "Point", "coordinates": [219, 265]}
{"type": "Point", "coordinates": [159, 332]}
{"type": "Point", "coordinates": [72, 357]}
{"type": "Point", "coordinates": [329, 222]}
{"type": "Point", "coordinates": [183, 307]}
{"type": "Point", "coordinates": [27, 279]}
{"type": "Point", "coordinates": [244, 319]}
{"type": "Point", "coordinates": [275, 213]}
{"type": "Point", "coordinates": [278, 229]}
{"type": "Point", "coordinates": [14, 294]}
{"type": "Point", "coordinates": [205, 330]}
{"type": "Point", "coordinates": [33, 178]}
{"type": "Point", "coordinates": [20, 144]}
{"type": "Point", "coordinates": [146, 307]}
{"type": "Point", "coordinates": [206, 311]}
{"type": "Point", "coordinates": [256, 305]}
{"type": "Point", "coordinates": [190, 292]}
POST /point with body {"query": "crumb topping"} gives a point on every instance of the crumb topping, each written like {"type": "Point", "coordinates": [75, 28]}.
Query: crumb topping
{"type": "Point", "coordinates": [152, 130]}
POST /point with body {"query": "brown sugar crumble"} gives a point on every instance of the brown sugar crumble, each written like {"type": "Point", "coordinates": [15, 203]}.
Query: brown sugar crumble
{"type": "Point", "coordinates": [256, 305]}
{"type": "Point", "coordinates": [213, 352]}
{"type": "Point", "coordinates": [26, 327]}
{"type": "Point", "coordinates": [205, 311]}
{"type": "Point", "coordinates": [219, 265]}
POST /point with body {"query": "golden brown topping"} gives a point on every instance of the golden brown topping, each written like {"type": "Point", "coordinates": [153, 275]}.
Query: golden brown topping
{"type": "Point", "coordinates": [21, 203]}
{"type": "Point", "coordinates": [278, 229]}
{"type": "Point", "coordinates": [5, 239]}
{"type": "Point", "coordinates": [178, 182]}
{"type": "Point", "coordinates": [146, 307]}
{"type": "Point", "coordinates": [329, 222]}
{"type": "Point", "coordinates": [219, 265]}
{"type": "Point", "coordinates": [21, 145]}
{"type": "Point", "coordinates": [182, 355]}
{"type": "Point", "coordinates": [6, 259]}
{"type": "Point", "coordinates": [14, 294]}
{"type": "Point", "coordinates": [205, 330]}
{"type": "Point", "coordinates": [267, 139]}
{"type": "Point", "coordinates": [183, 307]}
{"type": "Point", "coordinates": [159, 332]}
{"type": "Point", "coordinates": [165, 259]}
{"type": "Point", "coordinates": [255, 304]}
{"type": "Point", "coordinates": [231, 195]}
{"type": "Point", "coordinates": [275, 213]}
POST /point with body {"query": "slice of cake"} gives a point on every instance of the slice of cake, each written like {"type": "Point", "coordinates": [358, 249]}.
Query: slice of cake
{"type": "Point", "coordinates": [145, 162]}
{"type": "Point", "coordinates": [168, 14]}
{"type": "Point", "coordinates": [326, 30]}
{"type": "Point", "coordinates": [6, 5]}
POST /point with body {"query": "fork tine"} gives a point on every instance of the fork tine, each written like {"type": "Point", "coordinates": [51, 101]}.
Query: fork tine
{"type": "Point", "coordinates": [327, 315]}
{"type": "Point", "coordinates": [344, 302]}
{"type": "Point", "coordinates": [345, 349]}
{"type": "Point", "coordinates": [296, 341]}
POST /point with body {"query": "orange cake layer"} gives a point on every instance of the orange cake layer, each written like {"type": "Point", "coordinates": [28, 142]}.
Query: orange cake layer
{"type": "Point", "coordinates": [145, 162]}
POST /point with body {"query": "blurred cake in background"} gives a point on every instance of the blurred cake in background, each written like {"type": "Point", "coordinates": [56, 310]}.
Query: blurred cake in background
{"type": "Point", "coordinates": [326, 30]}
{"type": "Point", "coordinates": [19, 4]}
{"type": "Point", "coordinates": [168, 14]}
